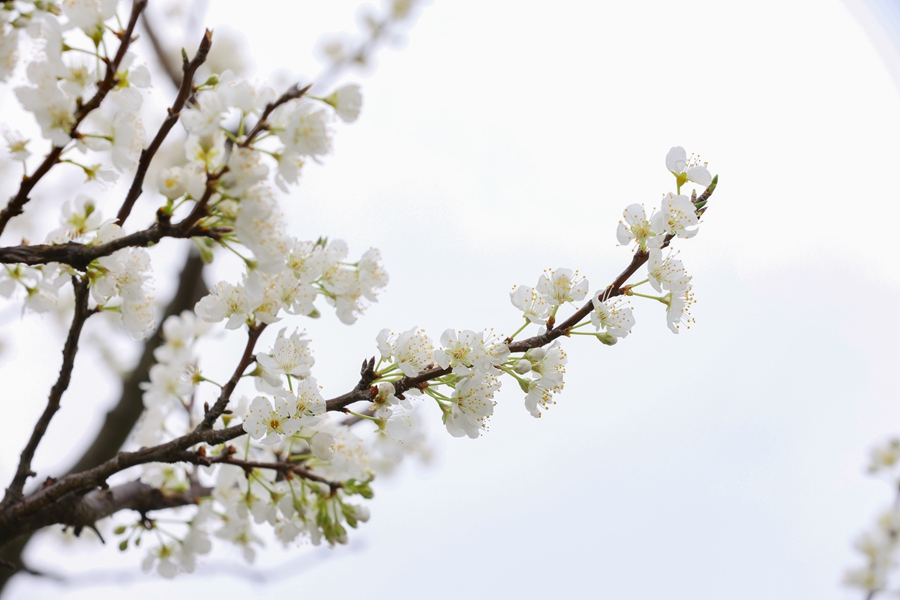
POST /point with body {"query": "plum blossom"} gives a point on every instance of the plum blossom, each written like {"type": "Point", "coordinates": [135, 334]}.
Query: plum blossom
{"type": "Point", "coordinates": [323, 445]}
{"type": "Point", "coordinates": [225, 301]}
{"type": "Point", "coordinates": [309, 405]}
{"type": "Point", "coordinates": [613, 316]}
{"type": "Point", "coordinates": [676, 214]}
{"type": "Point", "coordinates": [347, 102]}
{"type": "Point", "coordinates": [128, 140]}
{"type": "Point", "coordinates": [558, 286]}
{"type": "Point", "coordinates": [170, 183]}
{"type": "Point", "coordinates": [206, 115]}
{"type": "Point", "coordinates": [532, 304]}
{"type": "Point", "coordinates": [270, 422]}
{"type": "Point", "coordinates": [9, 55]}
{"type": "Point", "coordinates": [15, 143]}
{"type": "Point", "coordinates": [304, 127]}
{"type": "Point", "coordinates": [290, 355]}
{"type": "Point", "coordinates": [666, 273]}
{"type": "Point", "coordinates": [412, 350]}
{"type": "Point", "coordinates": [89, 15]}
{"type": "Point", "coordinates": [548, 368]}
{"type": "Point", "coordinates": [260, 227]}
{"type": "Point", "coordinates": [124, 273]}
{"type": "Point", "coordinates": [471, 405]}
{"type": "Point", "coordinates": [678, 303]}
{"type": "Point", "coordinates": [636, 227]}
{"type": "Point", "coordinates": [686, 169]}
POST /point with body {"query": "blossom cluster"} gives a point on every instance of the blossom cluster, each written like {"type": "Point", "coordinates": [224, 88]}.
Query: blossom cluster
{"type": "Point", "coordinates": [293, 461]}
{"type": "Point", "coordinates": [881, 544]}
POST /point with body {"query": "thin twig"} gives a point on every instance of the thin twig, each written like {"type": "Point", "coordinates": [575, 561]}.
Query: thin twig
{"type": "Point", "coordinates": [292, 93]}
{"type": "Point", "coordinates": [147, 154]}
{"type": "Point", "coordinates": [23, 472]}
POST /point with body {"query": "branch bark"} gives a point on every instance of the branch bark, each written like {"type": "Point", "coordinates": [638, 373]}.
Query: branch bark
{"type": "Point", "coordinates": [189, 68]}
{"type": "Point", "coordinates": [23, 472]}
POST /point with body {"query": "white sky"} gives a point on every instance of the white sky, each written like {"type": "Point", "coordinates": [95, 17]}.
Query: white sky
{"type": "Point", "coordinates": [726, 462]}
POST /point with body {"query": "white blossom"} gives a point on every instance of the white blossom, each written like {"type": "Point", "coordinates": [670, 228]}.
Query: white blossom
{"type": "Point", "coordinates": [533, 305]}
{"type": "Point", "coordinates": [170, 183]}
{"type": "Point", "coordinates": [206, 115]}
{"type": "Point", "coordinates": [613, 316]}
{"type": "Point", "coordinates": [676, 214]}
{"type": "Point", "coordinates": [636, 227]}
{"type": "Point", "coordinates": [885, 456]}
{"type": "Point", "coordinates": [548, 366]}
{"type": "Point", "coordinates": [15, 142]}
{"type": "Point", "coordinates": [128, 140]}
{"type": "Point", "coordinates": [245, 170]}
{"type": "Point", "coordinates": [686, 169]}
{"type": "Point", "coordinates": [89, 15]}
{"type": "Point", "coordinates": [666, 273]}
{"type": "Point", "coordinates": [260, 227]}
{"type": "Point", "coordinates": [9, 55]}
{"type": "Point", "coordinates": [678, 304]}
{"type": "Point", "coordinates": [207, 149]}
{"type": "Point", "coordinates": [413, 351]}
{"type": "Point", "coordinates": [309, 405]}
{"type": "Point", "coordinates": [226, 301]}
{"type": "Point", "coordinates": [558, 286]}
{"type": "Point", "coordinates": [290, 355]}
{"type": "Point", "coordinates": [167, 384]}
{"type": "Point", "coordinates": [268, 422]}
{"type": "Point", "coordinates": [472, 404]}
{"type": "Point", "coordinates": [179, 333]}
{"type": "Point", "coordinates": [347, 102]}
{"type": "Point", "coordinates": [125, 273]}
{"type": "Point", "coordinates": [323, 445]}
{"type": "Point", "coordinates": [304, 127]}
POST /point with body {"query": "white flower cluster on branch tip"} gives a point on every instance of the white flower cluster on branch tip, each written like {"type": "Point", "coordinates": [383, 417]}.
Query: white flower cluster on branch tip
{"type": "Point", "coordinates": [287, 457]}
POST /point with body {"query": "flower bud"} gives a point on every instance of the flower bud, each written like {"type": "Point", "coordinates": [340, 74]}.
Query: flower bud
{"type": "Point", "coordinates": [522, 367]}
{"type": "Point", "coordinates": [536, 355]}
{"type": "Point", "coordinates": [607, 338]}
{"type": "Point", "coordinates": [322, 445]}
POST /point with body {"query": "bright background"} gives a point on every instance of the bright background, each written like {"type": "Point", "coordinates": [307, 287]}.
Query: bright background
{"type": "Point", "coordinates": [725, 462]}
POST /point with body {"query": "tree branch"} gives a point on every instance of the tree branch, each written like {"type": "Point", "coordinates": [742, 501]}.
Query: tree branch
{"type": "Point", "coordinates": [292, 93]}
{"type": "Point", "coordinates": [184, 92]}
{"type": "Point", "coordinates": [21, 517]}
{"type": "Point", "coordinates": [84, 510]}
{"type": "Point", "coordinates": [79, 256]}
{"type": "Point", "coordinates": [122, 418]}
{"type": "Point", "coordinates": [23, 472]}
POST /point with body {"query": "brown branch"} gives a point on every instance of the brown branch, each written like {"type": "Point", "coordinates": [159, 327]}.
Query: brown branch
{"type": "Point", "coordinates": [147, 154]}
{"type": "Point", "coordinates": [23, 472]}
{"type": "Point", "coordinates": [20, 518]}
{"type": "Point", "coordinates": [616, 288]}
{"type": "Point", "coordinates": [16, 519]}
{"type": "Point", "coordinates": [249, 465]}
{"type": "Point", "coordinates": [121, 419]}
{"type": "Point", "coordinates": [84, 510]}
{"type": "Point", "coordinates": [80, 256]}
{"type": "Point", "coordinates": [16, 203]}
{"type": "Point", "coordinates": [292, 93]}
{"type": "Point", "coordinates": [248, 358]}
